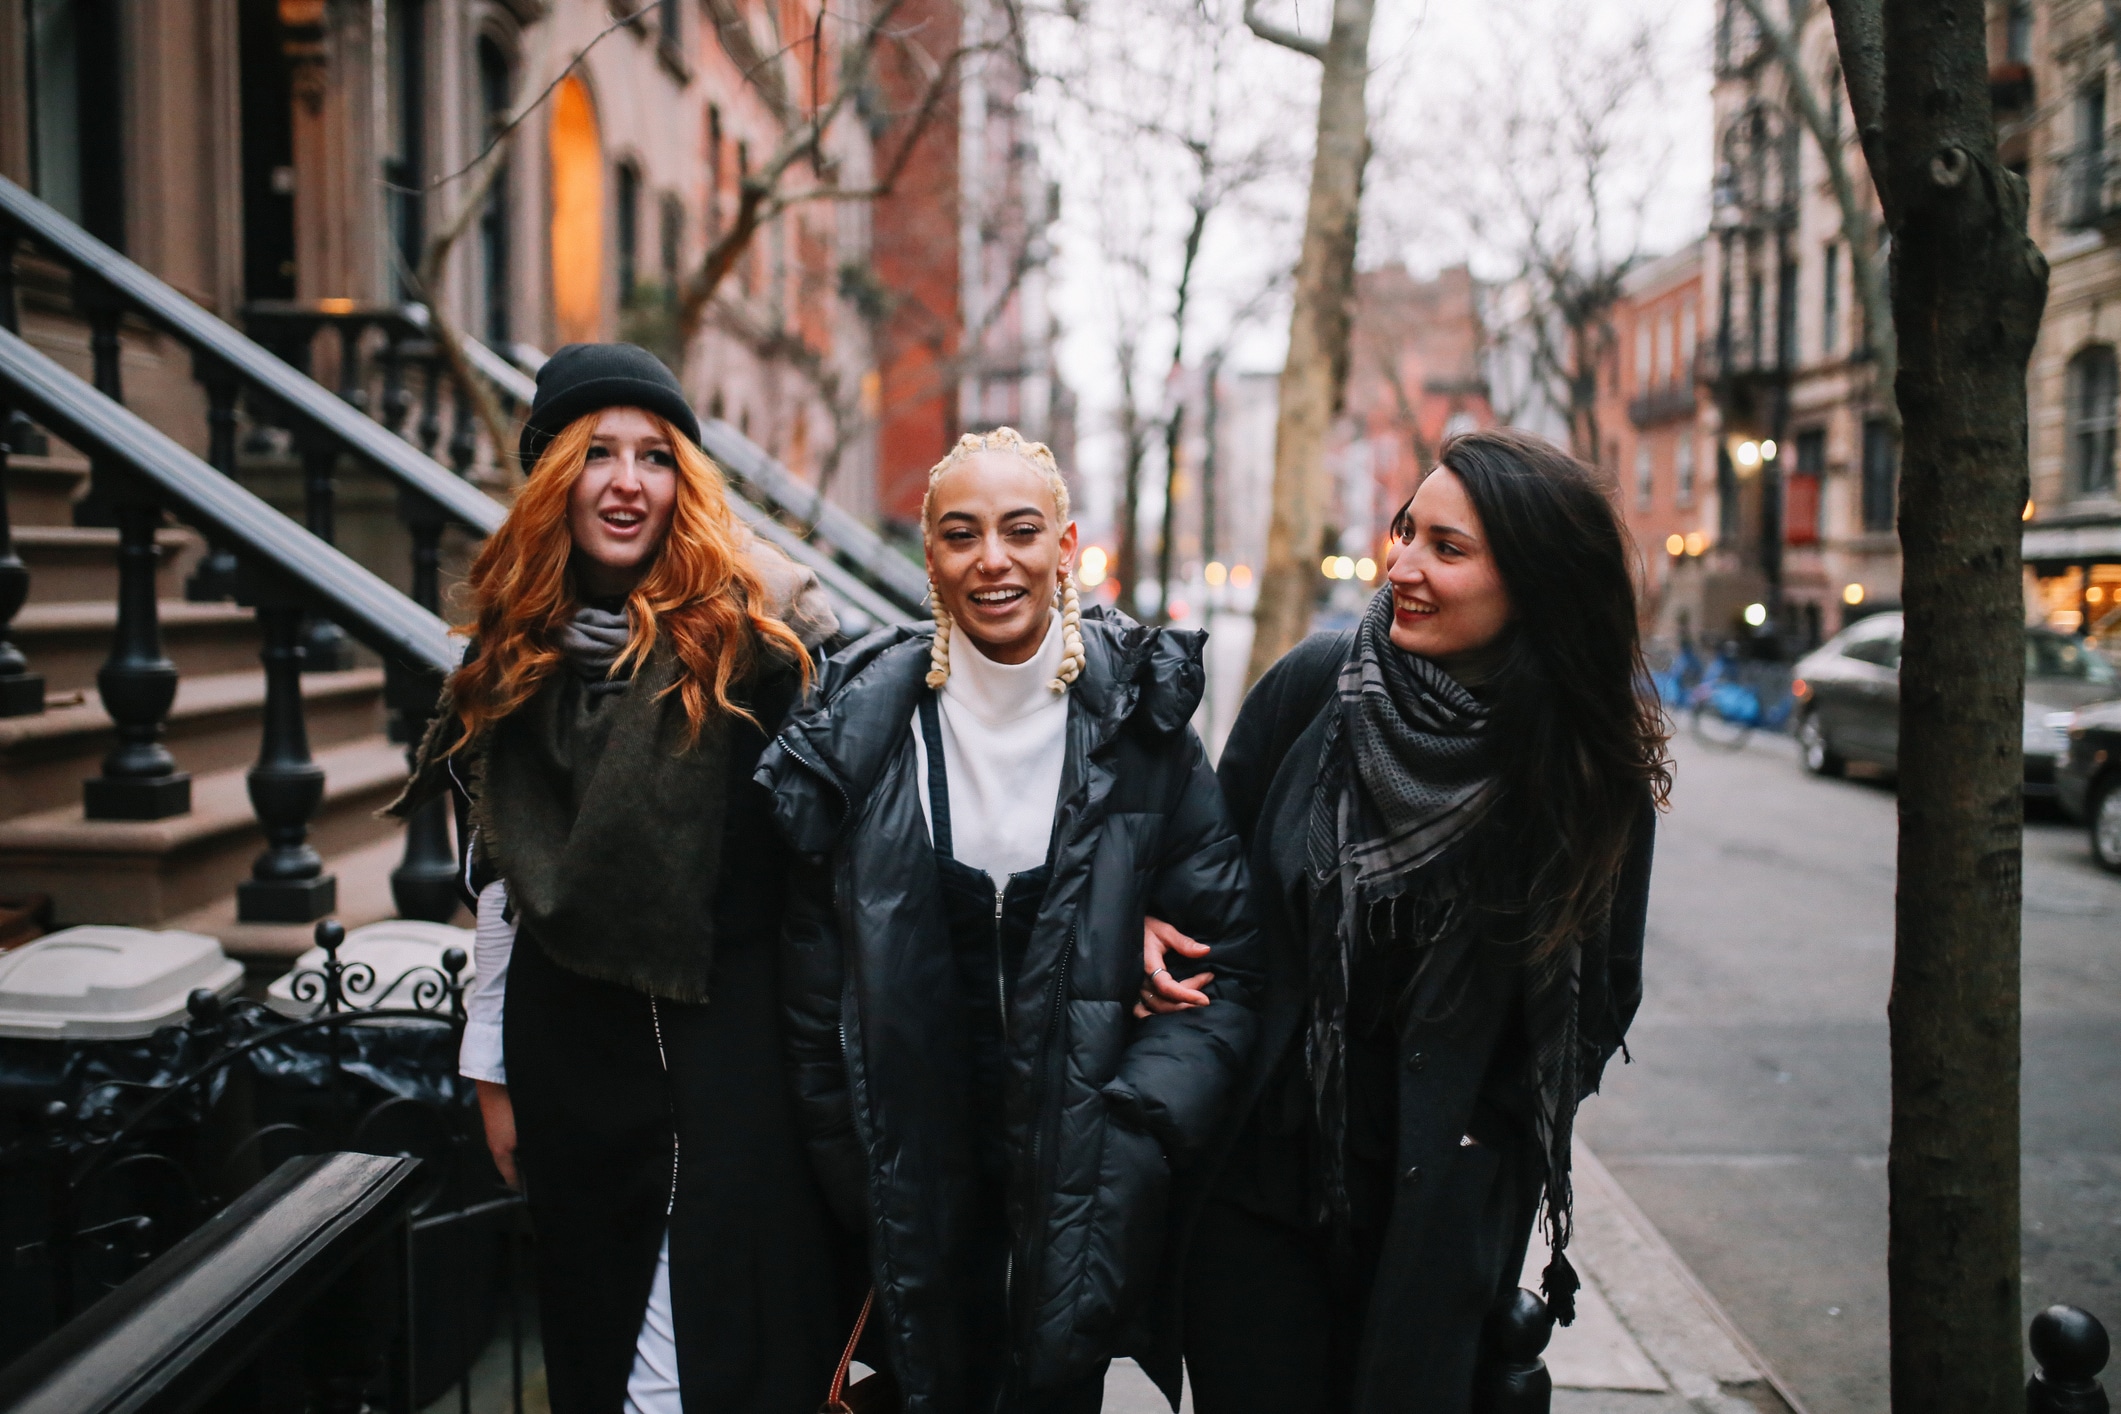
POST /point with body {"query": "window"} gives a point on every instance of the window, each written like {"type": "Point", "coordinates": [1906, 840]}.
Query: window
{"type": "Point", "coordinates": [1726, 496]}
{"type": "Point", "coordinates": [1880, 493]}
{"type": "Point", "coordinates": [1830, 298]}
{"type": "Point", "coordinates": [1800, 496]}
{"type": "Point", "coordinates": [1642, 355]}
{"type": "Point", "coordinates": [494, 87]}
{"type": "Point", "coordinates": [1880, 648]}
{"type": "Point", "coordinates": [2018, 32]}
{"type": "Point", "coordinates": [1686, 341]}
{"type": "Point", "coordinates": [714, 171]}
{"type": "Point", "coordinates": [1645, 477]}
{"type": "Point", "coordinates": [1683, 469]}
{"type": "Point", "coordinates": [667, 21]}
{"type": "Point", "coordinates": [673, 242]}
{"type": "Point", "coordinates": [1664, 351]}
{"type": "Point", "coordinates": [629, 214]}
{"type": "Point", "coordinates": [1786, 315]}
{"type": "Point", "coordinates": [1755, 314]}
{"type": "Point", "coordinates": [404, 168]}
{"type": "Point", "coordinates": [2091, 390]}
{"type": "Point", "coordinates": [2086, 188]}
{"type": "Point", "coordinates": [76, 137]}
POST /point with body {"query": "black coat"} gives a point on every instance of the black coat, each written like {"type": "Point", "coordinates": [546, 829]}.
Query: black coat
{"type": "Point", "coordinates": [1426, 1303]}
{"type": "Point", "coordinates": [633, 1116]}
{"type": "Point", "coordinates": [1099, 1106]}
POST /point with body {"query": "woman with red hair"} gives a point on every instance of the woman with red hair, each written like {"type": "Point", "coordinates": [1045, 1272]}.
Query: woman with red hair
{"type": "Point", "coordinates": [632, 653]}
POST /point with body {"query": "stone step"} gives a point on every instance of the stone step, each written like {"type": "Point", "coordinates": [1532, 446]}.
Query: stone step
{"type": "Point", "coordinates": [146, 872]}
{"type": "Point", "coordinates": [68, 642]}
{"type": "Point", "coordinates": [214, 726]}
{"type": "Point", "coordinates": [41, 490]}
{"type": "Point", "coordinates": [266, 949]}
{"type": "Point", "coordinates": [72, 564]}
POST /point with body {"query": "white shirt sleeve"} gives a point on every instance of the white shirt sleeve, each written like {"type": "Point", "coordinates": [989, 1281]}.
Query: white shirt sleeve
{"type": "Point", "coordinates": [493, 940]}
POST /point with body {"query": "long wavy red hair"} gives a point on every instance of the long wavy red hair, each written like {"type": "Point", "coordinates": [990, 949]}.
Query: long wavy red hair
{"type": "Point", "coordinates": [701, 594]}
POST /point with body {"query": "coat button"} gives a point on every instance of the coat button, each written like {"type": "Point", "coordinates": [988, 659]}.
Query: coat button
{"type": "Point", "coordinates": [1412, 1175]}
{"type": "Point", "coordinates": [1417, 1060]}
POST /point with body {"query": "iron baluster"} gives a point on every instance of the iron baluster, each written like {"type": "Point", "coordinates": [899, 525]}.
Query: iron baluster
{"type": "Point", "coordinates": [430, 400]}
{"type": "Point", "coordinates": [20, 434]}
{"type": "Point", "coordinates": [326, 645]}
{"type": "Point", "coordinates": [21, 691]}
{"type": "Point", "coordinates": [397, 401]}
{"type": "Point", "coordinates": [215, 577]}
{"type": "Point", "coordinates": [287, 883]}
{"type": "Point", "coordinates": [464, 442]}
{"type": "Point", "coordinates": [424, 884]}
{"type": "Point", "coordinates": [353, 388]}
{"type": "Point", "coordinates": [138, 682]}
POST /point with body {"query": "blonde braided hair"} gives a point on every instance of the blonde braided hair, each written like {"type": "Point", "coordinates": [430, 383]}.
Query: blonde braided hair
{"type": "Point", "coordinates": [1006, 439]}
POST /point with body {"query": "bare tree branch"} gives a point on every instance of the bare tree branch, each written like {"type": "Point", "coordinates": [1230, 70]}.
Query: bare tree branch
{"type": "Point", "coordinates": [1859, 35]}
{"type": "Point", "coordinates": [1275, 34]}
{"type": "Point", "coordinates": [1857, 229]}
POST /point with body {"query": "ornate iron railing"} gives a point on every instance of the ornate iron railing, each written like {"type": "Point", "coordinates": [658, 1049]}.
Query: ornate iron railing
{"type": "Point", "coordinates": [137, 1145]}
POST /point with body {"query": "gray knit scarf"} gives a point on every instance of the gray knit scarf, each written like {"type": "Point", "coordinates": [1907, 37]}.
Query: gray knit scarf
{"type": "Point", "coordinates": [592, 642]}
{"type": "Point", "coordinates": [1406, 772]}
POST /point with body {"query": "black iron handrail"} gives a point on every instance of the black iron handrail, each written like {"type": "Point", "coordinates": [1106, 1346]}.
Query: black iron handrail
{"type": "Point", "coordinates": [778, 489]}
{"type": "Point", "coordinates": [183, 1326]}
{"type": "Point", "coordinates": [371, 610]}
{"type": "Point", "coordinates": [264, 372]}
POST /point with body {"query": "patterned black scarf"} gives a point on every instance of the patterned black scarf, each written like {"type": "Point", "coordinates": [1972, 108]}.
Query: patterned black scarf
{"type": "Point", "coordinates": [1407, 771]}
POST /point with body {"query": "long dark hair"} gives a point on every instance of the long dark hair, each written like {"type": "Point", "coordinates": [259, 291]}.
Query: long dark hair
{"type": "Point", "coordinates": [1581, 741]}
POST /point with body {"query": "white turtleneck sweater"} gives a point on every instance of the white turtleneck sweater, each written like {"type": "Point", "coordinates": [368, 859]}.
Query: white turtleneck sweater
{"type": "Point", "coordinates": [1005, 736]}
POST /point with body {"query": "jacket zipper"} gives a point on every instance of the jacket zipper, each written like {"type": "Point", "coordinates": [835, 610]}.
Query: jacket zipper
{"type": "Point", "coordinates": [1001, 971]}
{"type": "Point", "coordinates": [1035, 1229]}
{"type": "Point", "coordinates": [655, 1019]}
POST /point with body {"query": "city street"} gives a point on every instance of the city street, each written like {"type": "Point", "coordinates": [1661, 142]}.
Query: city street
{"type": "Point", "coordinates": [1751, 1127]}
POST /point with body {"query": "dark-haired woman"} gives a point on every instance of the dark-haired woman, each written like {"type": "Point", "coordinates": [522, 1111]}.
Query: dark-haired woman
{"type": "Point", "coordinates": [633, 654]}
{"type": "Point", "coordinates": [1449, 814]}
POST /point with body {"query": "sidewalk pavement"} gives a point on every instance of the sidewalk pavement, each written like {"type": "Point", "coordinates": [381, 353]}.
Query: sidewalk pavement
{"type": "Point", "coordinates": [1648, 1338]}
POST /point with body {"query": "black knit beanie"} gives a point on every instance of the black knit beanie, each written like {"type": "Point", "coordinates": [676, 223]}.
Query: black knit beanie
{"type": "Point", "coordinates": [581, 379]}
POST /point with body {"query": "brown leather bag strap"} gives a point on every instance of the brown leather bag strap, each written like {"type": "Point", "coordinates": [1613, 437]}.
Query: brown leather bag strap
{"type": "Point", "coordinates": [835, 1403]}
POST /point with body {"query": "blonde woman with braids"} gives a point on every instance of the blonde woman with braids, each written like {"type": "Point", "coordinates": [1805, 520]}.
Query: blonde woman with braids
{"type": "Point", "coordinates": [632, 654]}
{"type": "Point", "coordinates": [982, 812]}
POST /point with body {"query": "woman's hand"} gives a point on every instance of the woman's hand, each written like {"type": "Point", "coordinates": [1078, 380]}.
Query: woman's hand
{"type": "Point", "coordinates": [499, 1114]}
{"type": "Point", "coordinates": [1161, 992]}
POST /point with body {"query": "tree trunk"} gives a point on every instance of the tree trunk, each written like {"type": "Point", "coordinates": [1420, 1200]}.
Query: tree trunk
{"type": "Point", "coordinates": [1968, 289]}
{"type": "Point", "coordinates": [1314, 376]}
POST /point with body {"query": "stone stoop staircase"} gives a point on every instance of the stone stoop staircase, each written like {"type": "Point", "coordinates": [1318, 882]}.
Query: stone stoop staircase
{"type": "Point", "coordinates": [291, 732]}
{"type": "Point", "coordinates": [178, 872]}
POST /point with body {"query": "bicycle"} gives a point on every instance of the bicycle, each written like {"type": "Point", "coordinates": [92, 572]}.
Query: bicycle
{"type": "Point", "coordinates": [1724, 710]}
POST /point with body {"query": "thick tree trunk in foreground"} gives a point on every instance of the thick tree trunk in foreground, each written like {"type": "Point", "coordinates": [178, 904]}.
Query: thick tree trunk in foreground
{"type": "Point", "coordinates": [1968, 291]}
{"type": "Point", "coordinates": [1316, 372]}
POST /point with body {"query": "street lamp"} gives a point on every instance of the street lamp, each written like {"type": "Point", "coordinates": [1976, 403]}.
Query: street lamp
{"type": "Point", "coordinates": [1755, 615]}
{"type": "Point", "coordinates": [1852, 595]}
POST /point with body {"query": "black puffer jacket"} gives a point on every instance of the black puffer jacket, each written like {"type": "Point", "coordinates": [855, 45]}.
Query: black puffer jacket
{"type": "Point", "coordinates": [1099, 1106]}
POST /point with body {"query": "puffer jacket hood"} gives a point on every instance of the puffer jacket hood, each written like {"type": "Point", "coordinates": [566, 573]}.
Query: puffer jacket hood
{"type": "Point", "coordinates": [1098, 1108]}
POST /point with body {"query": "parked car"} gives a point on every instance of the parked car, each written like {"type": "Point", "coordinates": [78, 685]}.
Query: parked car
{"type": "Point", "coordinates": [1848, 691]}
{"type": "Point", "coordinates": [2088, 780]}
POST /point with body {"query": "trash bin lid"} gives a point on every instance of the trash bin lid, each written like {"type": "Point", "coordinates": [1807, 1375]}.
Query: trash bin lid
{"type": "Point", "coordinates": [106, 983]}
{"type": "Point", "coordinates": [391, 949]}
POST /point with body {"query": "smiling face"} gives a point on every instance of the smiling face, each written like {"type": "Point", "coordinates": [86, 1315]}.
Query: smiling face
{"type": "Point", "coordinates": [619, 509]}
{"type": "Point", "coordinates": [1448, 599]}
{"type": "Point", "coordinates": [995, 548]}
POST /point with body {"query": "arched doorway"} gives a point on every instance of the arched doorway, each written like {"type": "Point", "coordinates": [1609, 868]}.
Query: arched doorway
{"type": "Point", "coordinates": [577, 215]}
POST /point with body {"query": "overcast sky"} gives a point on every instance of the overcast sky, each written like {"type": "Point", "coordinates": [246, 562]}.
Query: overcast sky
{"type": "Point", "coordinates": [1440, 67]}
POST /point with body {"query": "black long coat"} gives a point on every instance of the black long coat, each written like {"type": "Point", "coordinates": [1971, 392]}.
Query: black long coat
{"type": "Point", "coordinates": [1099, 1106]}
{"type": "Point", "coordinates": [1426, 1303]}
{"type": "Point", "coordinates": [633, 1116]}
